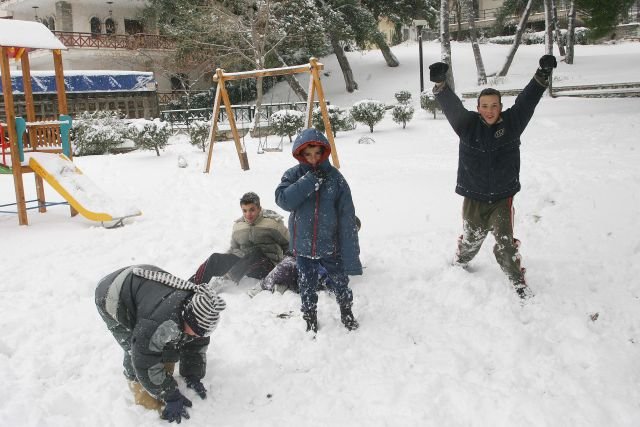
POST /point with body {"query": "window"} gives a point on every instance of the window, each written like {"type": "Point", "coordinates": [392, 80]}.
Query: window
{"type": "Point", "coordinates": [109, 26]}
{"type": "Point", "coordinates": [133, 26]}
{"type": "Point", "coordinates": [96, 26]}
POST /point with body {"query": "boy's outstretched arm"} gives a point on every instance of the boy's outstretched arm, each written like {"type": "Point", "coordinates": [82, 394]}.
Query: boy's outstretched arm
{"type": "Point", "coordinates": [456, 114]}
{"type": "Point", "coordinates": [526, 102]}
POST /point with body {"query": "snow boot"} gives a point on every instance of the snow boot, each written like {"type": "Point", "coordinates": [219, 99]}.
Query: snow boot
{"type": "Point", "coordinates": [143, 398]}
{"type": "Point", "coordinates": [346, 315]}
{"type": "Point", "coordinates": [523, 291]}
{"type": "Point", "coordinates": [311, 317]}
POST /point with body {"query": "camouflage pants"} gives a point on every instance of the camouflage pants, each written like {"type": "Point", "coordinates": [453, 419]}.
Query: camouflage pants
{"type": "Point", "coordinates": [479, 218]}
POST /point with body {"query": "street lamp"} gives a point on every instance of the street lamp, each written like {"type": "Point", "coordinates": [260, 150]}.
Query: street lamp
{"type": "Point", "coordinates": [35, 11]}
{"type": "Point", "coordinates": [420, 24]}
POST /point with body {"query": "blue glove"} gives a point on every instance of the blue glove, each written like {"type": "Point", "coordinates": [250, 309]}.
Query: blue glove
{"type": "Point", "coordinates": [176, 407]}
{"type": "Point", "coordinates": [195, 384]}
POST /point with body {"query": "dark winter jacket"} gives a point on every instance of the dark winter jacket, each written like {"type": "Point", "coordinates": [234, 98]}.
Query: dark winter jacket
{"type": "Point", "coordinates": [489, 155]}
{"type": "Point", "coordinates": [322, 222]}
{"type": "Point", "coordinates": [148, 324]}
{"type": "Point", "coordinates": [267, 233]}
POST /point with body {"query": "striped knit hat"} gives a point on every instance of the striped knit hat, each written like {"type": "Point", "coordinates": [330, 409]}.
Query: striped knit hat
{"type": "Point", "coordinates": [201, 311]}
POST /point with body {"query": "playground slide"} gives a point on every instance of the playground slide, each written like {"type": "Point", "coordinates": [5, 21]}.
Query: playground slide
{"type": "Point", "coordinates": [81, 193]}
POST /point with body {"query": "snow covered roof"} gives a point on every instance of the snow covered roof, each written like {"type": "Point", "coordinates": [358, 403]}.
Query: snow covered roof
{"type": "Point", "coordinates": [88, 81]}
{"type": "Point", "coordinates": [27, 34]}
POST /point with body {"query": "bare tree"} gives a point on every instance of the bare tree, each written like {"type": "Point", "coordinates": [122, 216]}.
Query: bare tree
{"type": "Point", "coordinates": [516, 39]}
{"type": "Point", "coordinates": [571, 32]}
{"type": "Point", "coordinates": [548, 28]}
{"type": "Point", "coordinates": [381, 42]}
{"type": "Point", "coordinates": [471, 18]}
{"type": "Point", "coordinates": [558, 33]}
{"type": "Point", "coordinates": [445, 43]}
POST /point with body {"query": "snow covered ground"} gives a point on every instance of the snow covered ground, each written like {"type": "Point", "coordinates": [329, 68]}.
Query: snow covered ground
{"type": "Point", "coordinates": [437, 346]}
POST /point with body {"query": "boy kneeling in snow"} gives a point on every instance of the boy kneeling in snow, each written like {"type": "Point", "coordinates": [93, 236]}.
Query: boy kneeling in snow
{"type": "Point", "coordinates": [489, 165]}
{"type": "Point", "coordinates": [159, 319]}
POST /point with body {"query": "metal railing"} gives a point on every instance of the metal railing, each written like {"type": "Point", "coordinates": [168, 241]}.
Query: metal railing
{"type": "Point", "coordinates": [114, 41]}
{"type": "Point", "coordinates": [243, 114]}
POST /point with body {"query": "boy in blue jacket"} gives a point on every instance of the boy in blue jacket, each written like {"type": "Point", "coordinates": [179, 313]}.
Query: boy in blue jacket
{"type": "Point", "coordinates": [322, 225]}
{"type": "Point", "coordinates": [489, 165]}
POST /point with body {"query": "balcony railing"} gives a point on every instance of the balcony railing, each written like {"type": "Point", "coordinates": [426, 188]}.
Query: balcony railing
{"type": "Point", "coordinates": [115, 41]}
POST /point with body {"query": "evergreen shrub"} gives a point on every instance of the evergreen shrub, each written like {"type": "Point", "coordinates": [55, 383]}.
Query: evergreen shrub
{"type": "Point", "coordinates": [369, 112]}
{"type": "Point", "coordinates": [428, 102]}
{"type": "Point", "coordinates": [199, 133]}
{"type": "Point", "coordinates": [286, 122]}
{"type": "Point", "coordinates": [97, 133]}
{"type": "Point", "coordinates": [402, 113]}
{"type": "Point", "coordinates": [339, 118]}
{"type": "Point", "coordinates": [150, 134]}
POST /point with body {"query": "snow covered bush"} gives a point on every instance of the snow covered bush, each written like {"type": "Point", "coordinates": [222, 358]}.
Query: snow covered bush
{"type": "Point", "coordinates": [199, 133]}
{"type": "Point", "coordinates": [529, 37]}
{"type": "Point", "coordinates": [286, 122]}
{"type": "Point", "coordinates": [97, 133]}
{"type": "Point", "coordinates": [150, 134]}
{"type": "Point", "coordinates": [402, 113]}
{"type": "Point", "coordinates": [339, 119]}
{"type": "Point", "coordinates": [428, 102]}
{"type": "Point", "coordinates": [368, 112]}
{"type": "Point", "coordinates": [403, 96]}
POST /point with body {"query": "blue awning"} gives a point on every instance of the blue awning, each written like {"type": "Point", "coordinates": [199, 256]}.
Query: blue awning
{"type": "Point", "coordinates": [87, 81]}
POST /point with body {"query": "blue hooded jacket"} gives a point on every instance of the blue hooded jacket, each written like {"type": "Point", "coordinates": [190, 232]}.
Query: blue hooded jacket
{"type": "Point", "coordinates": [322, 222]}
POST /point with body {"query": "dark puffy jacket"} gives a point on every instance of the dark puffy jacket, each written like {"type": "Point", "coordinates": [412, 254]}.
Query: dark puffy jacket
{"type": "Point", "coordinates": [321, 223]}
{"type": "Point", "coordinates": [489, 155]}
{"type": "Point", "coordinates": [148, 316]}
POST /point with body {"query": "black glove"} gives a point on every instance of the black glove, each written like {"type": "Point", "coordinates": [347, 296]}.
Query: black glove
{"type": "Point", "coordinates": [547, 64]}
{"type": "Point", "coordinates": [176, 407]}
{"type": "Point", "coordinates": [438, 72]}
{"type": "Point", "coordinates": [321, 176]}
{"type": "Point", "coordinates": [197, 386]}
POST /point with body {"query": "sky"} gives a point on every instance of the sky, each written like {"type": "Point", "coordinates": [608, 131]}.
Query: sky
{"type": "Point", "coordinates": [437, 345]}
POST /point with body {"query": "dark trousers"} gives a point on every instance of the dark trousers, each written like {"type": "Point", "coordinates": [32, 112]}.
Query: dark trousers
{"type": "Point", "coordinates": [480, 218]}
{"type": "Point", "coordinates": [338, 281]}
{"type": "Point", "coordinates": [255, 265]}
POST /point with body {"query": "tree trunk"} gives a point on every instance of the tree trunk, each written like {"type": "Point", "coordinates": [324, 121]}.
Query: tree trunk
{"type": "Point", "coordinates": [293, 81]}
{"type": "Point", "coordinates": [350, 83]}
{"type": "Point", "coordinates": [516, 40]}
{"type": "Point", "coordinates": [259, 94]}
{"type": "Point", "coordinates": [445, 43]}
{"type": "Point", "coordinates": [389, 57]}
{"type": "Point", "coordinates": [571, 32]}
{"type": "Point", "coordinates": [556, 27]}
{"type": "Point", "coordinates": [458, 7]}
{"type": "Point", "coordinates": [548, 36]}
{"type": "Point", "coordinates": [471, 18]}
{"type": "Point", "coordinates": [548, 28]}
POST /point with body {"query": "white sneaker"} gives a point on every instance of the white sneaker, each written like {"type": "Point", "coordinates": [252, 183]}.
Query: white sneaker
{"type": "Point", "coordinates": [280, 288]}
{"type": "Point", "coordinates": [217, 283]}
{"type": "Point", "coordinates": [255, 290]}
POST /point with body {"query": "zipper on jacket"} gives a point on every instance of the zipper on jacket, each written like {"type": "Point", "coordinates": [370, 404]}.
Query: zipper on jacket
{"type": "Point", "coordinates": [315, 224]}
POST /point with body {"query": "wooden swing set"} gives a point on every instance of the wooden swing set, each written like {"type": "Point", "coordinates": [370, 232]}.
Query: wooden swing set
{"type": "Point", "coordinates": [222, 96]}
